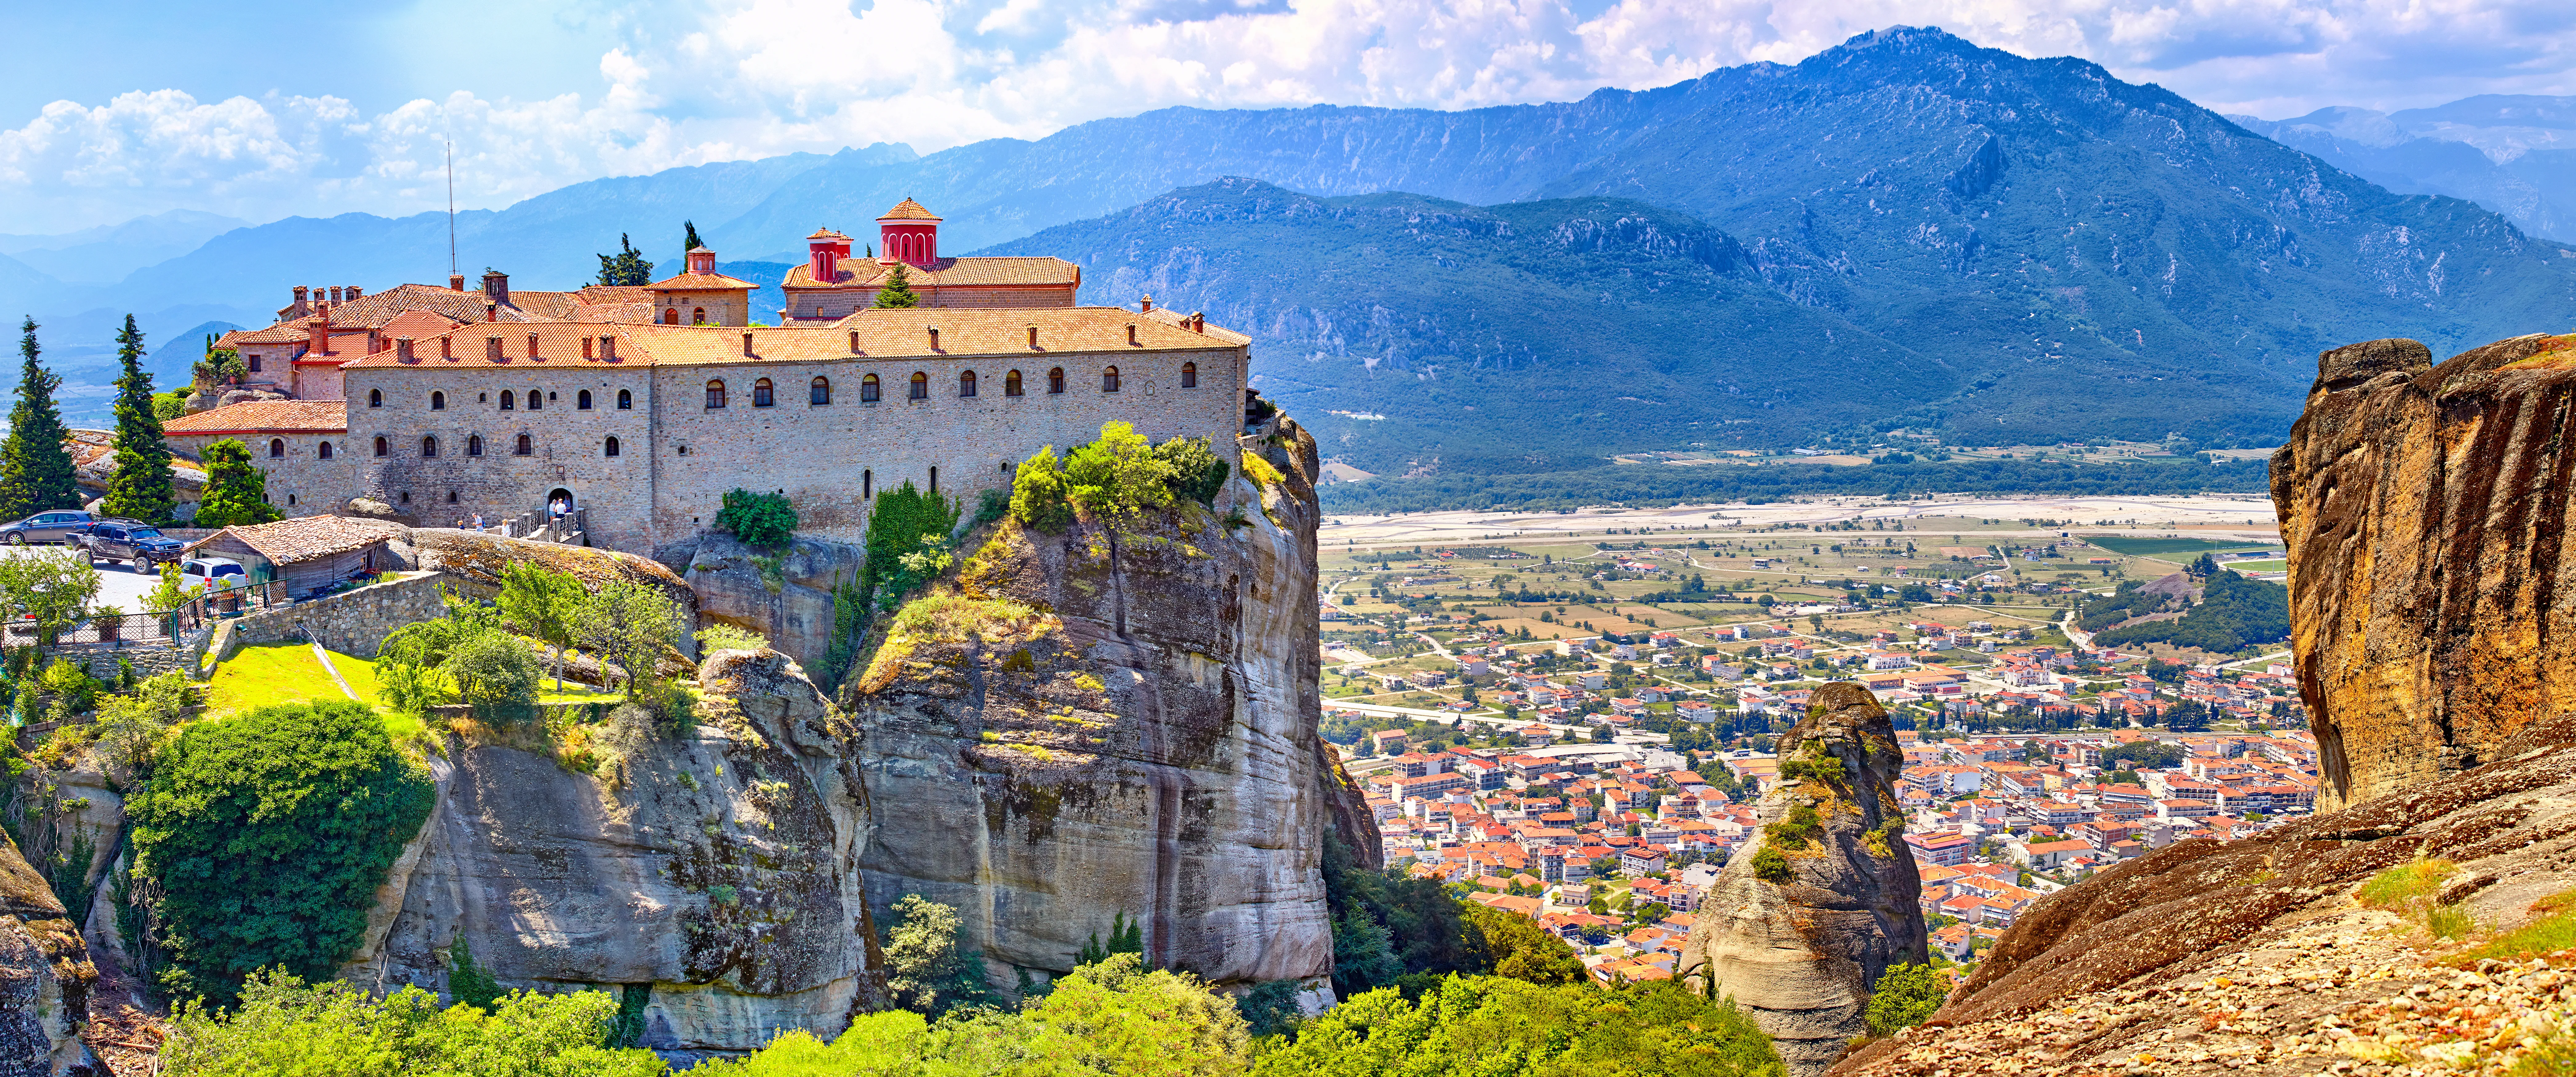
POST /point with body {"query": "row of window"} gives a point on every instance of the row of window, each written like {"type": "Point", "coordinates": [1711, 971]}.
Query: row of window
{"type": "Point", "coordinates": [429, 447]}
{"type": "Point", "coordinates": [763, 393]}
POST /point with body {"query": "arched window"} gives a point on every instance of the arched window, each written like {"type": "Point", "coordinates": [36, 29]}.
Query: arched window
{"type": "Point", "coordinates": [612, 446]}
{"type": "Point", "coordinates": [761, 394]}
{"type": "Point", "coordinates": [715, 393]}
{"type": "Point", "coordinates": [277, 448]}
{"type": "Point", "coordinates": [375, 398]}
{"type": "Point", "coordinates": [820, 392]}
{"type": "Point", "coordinates": [525, 447]}
{"type": "Point", "coordinates": [625, 400]}
{"type": "Point", "coordinates": [868, 389]}
{"type": "Point", "coordinates": [1189, 375]}
{"type": "Point", "coordinates": [324, 451]}
{"type": "Point", "coordinates": [438, 401]}
{"type": "Point", "coordinates": [699, 317]}
{"type": "Point", "coordinates": [966, 383]}
{"type": "Point", "coordinates": [920, 386]}
{"type": "Point", "coordinates": [1109, 380]}
{"type": "Point", "coordinates": [1011, 384]}
{"type": "Point", "coordinates": [428, 447]}
{"type": "Point", "coordinates": [381, 450]}
{"type": "Point", "coordinates": [584, 403]}
{"type": "Point", "coordinates": [1055, 380]}
{"type": "Point", "coordinates": [509, 400]}
{"type": "Point", "coordinates": [671, 317]}
{"type": "Point", "coordinates": [867, 485]}
{"type": "Point", "coordinates": [474, 445]}
{"type": "Point", "coordinates": [536, 400]}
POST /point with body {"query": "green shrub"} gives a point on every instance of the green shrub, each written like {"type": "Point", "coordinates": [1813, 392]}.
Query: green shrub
{"type": "Point", "coordinates": [1771, 867]}
{"type": "Point", "coordinates": [1800, 826]}
{"type": "Point", "coordinates": [468, 983]}
{"type": "Point", "coordinates": [1516, 947]}
{"type": "Point", "coordinates": [1038, 499]}
{"type": "Point", "coordinates": [1492, 1025]}
{"type": "Point", "coordinates": [495, 673]}
{"type": "Point", "coordinates": [333, 1029]}
{"type": "Point", "coordinates": [763, 520]}
{"type": "Point", "coordinates": [268, 834]}
{"type": "Point", "coordinates": [725, 637]}
{"type": "Point", "coordinates": [1905, 996]}
{"type": "Point", "coordinates": [929, 968]}
{"type": "Point", "coordinates": [1119, 477]}
{"type": "Point", "coordinates": [902, 518]}
{"type": "Point", "coordinates": [1197, 473]}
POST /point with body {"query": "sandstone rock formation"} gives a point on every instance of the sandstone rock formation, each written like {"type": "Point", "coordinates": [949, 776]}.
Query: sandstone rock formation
{"type": "Point", "coordinates": [2252, 956]}
{"type": "Point", "coordinates": [45, 976]}
{"type": "Point", "coordinates": [785, 595]}
{"type": "Point", "coordinates": [716, 868]}
{"type": "Point", "coordinates": [1117, 722]}
{"type": "Point", "coordinates": [2426, 511]}
{"type": "Point", "coordinates": [1797, 941]}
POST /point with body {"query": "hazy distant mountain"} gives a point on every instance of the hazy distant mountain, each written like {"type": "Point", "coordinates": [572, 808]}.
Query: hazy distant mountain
{"type": "Point", "coordinates": [2520, 165]}
{"type": "Point", "coordinates": [105, 254]}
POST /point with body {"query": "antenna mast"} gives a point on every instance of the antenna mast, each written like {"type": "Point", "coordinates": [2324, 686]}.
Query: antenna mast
{"type": "Point", "coordinates": [451, 207]}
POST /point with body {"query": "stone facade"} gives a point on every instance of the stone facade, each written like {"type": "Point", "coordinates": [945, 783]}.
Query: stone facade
{"type": "Point", "coordinates": [351, 622]}
{"type": "Point", "coordinates": [676, 456]}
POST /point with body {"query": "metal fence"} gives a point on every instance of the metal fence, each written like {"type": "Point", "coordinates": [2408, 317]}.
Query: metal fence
{"type": "Point", "coordinates": [160, 629]}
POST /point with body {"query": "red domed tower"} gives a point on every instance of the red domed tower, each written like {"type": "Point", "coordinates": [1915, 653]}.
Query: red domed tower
{"type": "Point", "coordinates": [908, 233]}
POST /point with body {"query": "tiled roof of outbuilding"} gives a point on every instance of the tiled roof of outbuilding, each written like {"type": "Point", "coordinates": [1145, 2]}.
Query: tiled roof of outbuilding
{"type": "Point", "coordinates": [305, 538]}
{"type": "Point", "coordinates": [265, 417]}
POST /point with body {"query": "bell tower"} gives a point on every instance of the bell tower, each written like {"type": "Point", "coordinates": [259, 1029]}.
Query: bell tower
{"type": "Point", "coordinates": [908, 233]}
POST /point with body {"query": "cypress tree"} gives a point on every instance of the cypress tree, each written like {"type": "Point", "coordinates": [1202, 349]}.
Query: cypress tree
{"type": "Point", "coordinates": [236, 492]}
{"type": "Point", "coordinates": [140, 488]}
{"type": "Point", "coordinates": [35, 469]}
{"type": "Point", "coordinates": [691, 243]}
{"type": "Point", "coordinates": [897, 291]}
{"type": "Point", "coordinates": [626, 267]}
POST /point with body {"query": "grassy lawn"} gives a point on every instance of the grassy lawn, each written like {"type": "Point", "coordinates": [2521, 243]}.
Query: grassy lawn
{"type": "Point", "coordinates": [273, 673]}
{"type": "Point", "coordinates": [2136, 547]}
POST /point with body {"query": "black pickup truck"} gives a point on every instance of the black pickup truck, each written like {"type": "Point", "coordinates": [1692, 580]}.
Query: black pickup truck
{"type": "Point", "coordinates": [131, 541]}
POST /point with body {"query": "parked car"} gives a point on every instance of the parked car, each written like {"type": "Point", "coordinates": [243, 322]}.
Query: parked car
{"type": "Point", "coordinates": [214, 573]}
{"type": "Point", "coordinates": [56, 526]}
{"type": "Point", "coordinates": [131, 541]}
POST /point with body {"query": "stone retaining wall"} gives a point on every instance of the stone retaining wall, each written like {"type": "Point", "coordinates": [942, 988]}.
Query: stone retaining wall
{"type": "Point", "coordinates": [149, 659]}
{"type": "Point", "coordinates": [351, 622]}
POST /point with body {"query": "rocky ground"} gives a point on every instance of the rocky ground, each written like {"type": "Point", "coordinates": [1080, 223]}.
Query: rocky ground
{"type": "Point", "coordinates": [2356, 991]}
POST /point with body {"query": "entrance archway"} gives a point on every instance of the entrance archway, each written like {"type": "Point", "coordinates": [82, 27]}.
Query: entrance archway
{"type": "Point", "coordinates": [560, 502]}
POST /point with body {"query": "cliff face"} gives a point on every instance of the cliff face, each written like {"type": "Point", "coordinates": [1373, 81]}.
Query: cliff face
{"type": "Point", "coordinates": [2426, 511]}
{"type": "Point", "coordinates": [716, 869]}
{"type": "Point", "coordinates": [1797, 940]}
{"type": "Point", "coordinates": [785, 595]}
{"type": "Point", "coordinates": [1118, 721]}
{"type": "Point", "coordinates": [45, 976]}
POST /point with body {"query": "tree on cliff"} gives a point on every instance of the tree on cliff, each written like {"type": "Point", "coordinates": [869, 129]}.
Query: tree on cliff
{"type": "Point", "coordinates": [903, 517]}
{"type": "Point", "coordinates": [35, 468]}
{"type": "Point", "coordinates": [1905, 996]}
{"type": "Point", "coordinates": [626, 267]}
{"type": "Point", "coordinates": [897, 292]}
{"type": "Point", "coordinates": [268, 834]}
{"type": "Point", "coordinates": [632, 624]}
{"type": "Point", "coordinates": [929, 969]}
{"type": "Point", "coordinates": [236, 492]}
{"type": "Point", "coordinates": [140, 487]}
{"type": "Point", "coordinates": [691, 241]}
{"type": "Point", "coordinates": [544, 603]}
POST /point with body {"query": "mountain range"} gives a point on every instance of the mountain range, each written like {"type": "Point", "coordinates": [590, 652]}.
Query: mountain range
{"type": "Point", "coordinates": [1906, 230]}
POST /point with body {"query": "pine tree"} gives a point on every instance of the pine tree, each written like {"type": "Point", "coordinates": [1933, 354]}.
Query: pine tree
{"type": "Point", "coordinates": [897, 292]}
{"type": "Point", "coordinates": [35, 469]}
{"type": "Point", "coordinates": [236, 492]}
{"type": "Point", "coordinates": [692, 242]}
{"type": "Point", "coordinates": [140, 487]}
{"type": "Point", "coordinates": [627, 267]}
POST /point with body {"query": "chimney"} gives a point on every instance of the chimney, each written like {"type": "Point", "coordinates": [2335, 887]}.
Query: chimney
{"type": "Point", "coordinates": [335, 293]}
{"type": "Point", "coordinates": [492, 348]}
{"type": "Point", "coordinates": [1131, 332]}
{"type": "Point", "coordinates": [585, 347]}
{"type": "Point", "coordinates": [354, 293]}
{"type": "Point", "coordinates": [934, 339]}
{"type": "Point", "coordinates": [1149, 304]}
{"type": "Point", "coordinates": [496, 286]}
{"type": "Point", "coordinates": [746, 344]}
{"type": "Point", "coordinates": [1198, 322]}
{"type": "Point", "coordinates": [402, 350]}
{"type": "Point", "coordinates": [302, 294]}
{"type": "Point", "coordinates": [318, 343]}
{"type": "Point", "coordinates": [447, 347]}
{"type": "Point", "coordinates": [491, 312]}
{"type": "Point", "coordinates": [456, 282]}
{"type": "Point", "coordinates": [1033, 338]}
{"type": "Point", "coordinates": [854, 343]}
{"type": "Point", "coordinates": [532, 347]}
{"type": "Point", "coordinates": [608, 348]}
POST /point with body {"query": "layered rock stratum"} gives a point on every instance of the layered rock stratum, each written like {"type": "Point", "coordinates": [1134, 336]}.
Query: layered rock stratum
{"type": "Point", "coordinates": [2426, 511]}
{"type": "Point", "coordinates": [1119, 721]}
{"type": "Point", "coordinates": [45, 976]}
{"type": "Point", "coordinates": [1799, 939]}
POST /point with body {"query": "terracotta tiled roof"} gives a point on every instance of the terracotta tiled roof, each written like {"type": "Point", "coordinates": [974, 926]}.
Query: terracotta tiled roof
{"type": "Point", "coordinates": [281, 333]}
{"type": "Point", "coordinates": [265, 417]}
{"type": "Point", "coordinates": [698, 282]}
{"type": "Point", "coordinates": [908, 210]}
{"type": "Point", "coordinates": [944, 273]}
{"type": "Point", "coordinates": [826, 233]}
{"type": "Point", "coordinates": [304, 538]}
{"type": "Point", "coordinates": [882, 334]}
{"type": "Point", "coordinates": [615, 293]}
{"type": "Point", "coordinates": [558, 344]}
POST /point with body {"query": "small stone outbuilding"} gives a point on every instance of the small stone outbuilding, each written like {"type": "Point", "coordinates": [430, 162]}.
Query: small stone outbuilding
{"type": "Point", "coordinates": [306, 552]}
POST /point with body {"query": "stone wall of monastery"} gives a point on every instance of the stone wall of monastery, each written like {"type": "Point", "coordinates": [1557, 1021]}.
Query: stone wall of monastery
{"type": "Point", "coordinates": [677, 457]}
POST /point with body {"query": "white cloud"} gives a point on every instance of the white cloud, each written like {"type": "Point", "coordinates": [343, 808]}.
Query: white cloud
{"type": "Point", "coordinates": [699, 80]}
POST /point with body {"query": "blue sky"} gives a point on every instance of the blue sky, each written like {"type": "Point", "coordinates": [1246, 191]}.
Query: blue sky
{"type": "Point", "coordinates": [261, 110]}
